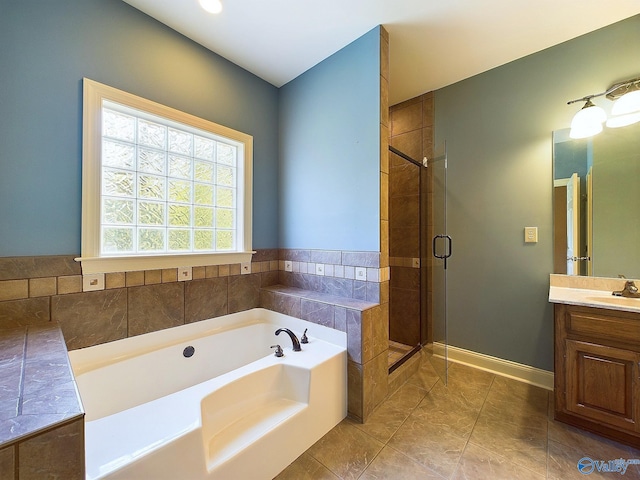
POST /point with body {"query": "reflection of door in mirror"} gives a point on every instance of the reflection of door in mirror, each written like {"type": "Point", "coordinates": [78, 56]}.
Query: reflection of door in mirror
{"type": "Point", "coordinates": [573, 225]}
{"type": "Point", "coordinates": [567, 225]}
{"type": "Point", "coordinates": [589, 220]}
{"type": "Point", "coordinates": [560, 226]}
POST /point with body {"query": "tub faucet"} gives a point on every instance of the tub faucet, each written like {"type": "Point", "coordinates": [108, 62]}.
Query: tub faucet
{"type": "Point", "coordinates": [630, 290]}
{"type": "Point", "coordinates": [279, 352]}
{"type": "Point", "coordinates": [294, 339]}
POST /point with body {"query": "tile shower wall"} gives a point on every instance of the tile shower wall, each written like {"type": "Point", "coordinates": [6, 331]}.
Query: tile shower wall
{"type": "Point", "coordinates": [411, 133]}
{"type": "Point", "coordinates": [404, 228]}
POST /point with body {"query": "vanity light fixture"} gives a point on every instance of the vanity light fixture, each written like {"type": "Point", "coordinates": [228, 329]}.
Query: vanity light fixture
{"type": "Point", "coordinates": [211, 6]}
{"type": "Point", "coordinates": [588, 121]}
{"type": "Point", "coordinates": [626, 110]}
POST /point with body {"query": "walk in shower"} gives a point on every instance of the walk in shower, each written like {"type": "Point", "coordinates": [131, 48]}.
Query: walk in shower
{"type": "Point", "coordinates": [418, 242]}
{"type": "Point", "coordinates": [407, 218]}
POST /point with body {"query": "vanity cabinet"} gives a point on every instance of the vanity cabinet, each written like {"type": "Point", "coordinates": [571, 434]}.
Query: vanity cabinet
{"type": "Point", "coordinates": [597, 371]}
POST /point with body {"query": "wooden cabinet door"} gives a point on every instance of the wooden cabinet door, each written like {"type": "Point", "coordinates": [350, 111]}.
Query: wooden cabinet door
{"type": "Point", "coordinates": [602, 383]}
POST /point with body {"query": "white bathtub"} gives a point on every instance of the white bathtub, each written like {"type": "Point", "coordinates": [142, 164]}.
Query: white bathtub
{"type": "Point", "coordinates": [232, 410]}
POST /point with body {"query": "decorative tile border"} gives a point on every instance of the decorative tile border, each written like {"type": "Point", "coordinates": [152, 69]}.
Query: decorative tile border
{"type": "Point", "coordinates": [365, 274]}
{"type": "Point", "coordinates": [31, 287]}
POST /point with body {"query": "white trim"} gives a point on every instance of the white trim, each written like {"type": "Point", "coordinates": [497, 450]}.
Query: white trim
{"type": "Point", "coordinates": [505, 368]}
{"type": "Point", "coordinates": [93, 94]}
{"type": "Point", "coordinates": [155, 262]}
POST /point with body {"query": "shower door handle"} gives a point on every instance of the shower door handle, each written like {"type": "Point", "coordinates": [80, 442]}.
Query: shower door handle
{"type": "Point", "coordinates": [448, 251]}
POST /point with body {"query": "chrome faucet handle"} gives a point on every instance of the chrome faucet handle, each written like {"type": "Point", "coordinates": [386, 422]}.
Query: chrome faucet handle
{"type": "Point", "coordinates": [631, 286]}
{"type": "Point", "coordinates": [279, 352]}
{"type": "Point", "coordinates": [304, 338]}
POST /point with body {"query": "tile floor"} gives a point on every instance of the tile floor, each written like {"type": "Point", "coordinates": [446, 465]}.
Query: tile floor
{"type": "Point", "coordinates": [481, 426]}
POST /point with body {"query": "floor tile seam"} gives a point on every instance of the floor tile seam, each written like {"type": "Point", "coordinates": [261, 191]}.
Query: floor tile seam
{"type": "Point", "coordinates": [325, 466]}
{"type": "Point", "coordinates": [546, 450]}
{"type": "Point", "coordinates": [400, 410]}
{"type": "Point", "coordinates": [514, 414]}
{"type": "Point", "coordinates": [554, 440]}
{"type": "Point", "coordinates": [455, 470]}
{"type": "Point", "coordinates": [480, 411]}
{"type": "Point", "coordinates": [520, 399]}
{"type": "Point", "coordinates": [385, 442]}
{"type": "Point", "coordinates": [549, 475]}
{"type": "Point", "coordinates": [420, 386]}
{"type": "Point", "coordinates": [414, 461]}
{"type": "Point", "coordinates": [512, 424]}
{"type": "Point", "coordinates": [405, 420]}
{"type": "Point", "coordinates": [396, 410]}
{"type": "Point", "coordinates": [546, 470]}
{"type": "Point", "coordinates": [507, 460]}
{"type": "Point", "coordinates": [371, 437]}
{"type": "Point", "coordinates": [370, 463]}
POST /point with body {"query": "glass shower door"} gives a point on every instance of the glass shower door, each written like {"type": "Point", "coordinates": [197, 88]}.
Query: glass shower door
{"type": "Point", "coordinates": [441, 251]}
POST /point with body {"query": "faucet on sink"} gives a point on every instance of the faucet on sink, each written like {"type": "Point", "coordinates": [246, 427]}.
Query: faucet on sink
{"type": "Point", "coordinates": [630, 290]}
{"type": "Point", "coordinates": [294, 339]}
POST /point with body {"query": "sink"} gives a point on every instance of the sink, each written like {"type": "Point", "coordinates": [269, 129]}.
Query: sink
{"type": "Point", "coordinates": [613, 300]}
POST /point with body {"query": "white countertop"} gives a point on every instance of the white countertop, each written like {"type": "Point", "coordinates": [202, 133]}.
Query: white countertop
{"type": "Point", "coordinates": [593, 298]}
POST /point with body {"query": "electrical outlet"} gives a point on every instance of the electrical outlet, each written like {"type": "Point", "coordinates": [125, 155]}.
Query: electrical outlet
{"type": "Point", "coordinates": [319, 268]}
{"type": "Point", "coordinates": [361, 273]}
{"type": "Point", "coordinates": [93, 282]}
{"type": "Point", "coordinates": [288, 266]}
{"type": "Point", "coordinates": [531, 234]}
{"type": "Point", "coordinates": [184, 274]}
{"type": "Point", "coordinates": [245, 268]}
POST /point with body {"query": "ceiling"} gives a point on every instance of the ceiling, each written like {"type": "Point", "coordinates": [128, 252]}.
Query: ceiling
{"type": "Point", "coordinates": [433, 43]}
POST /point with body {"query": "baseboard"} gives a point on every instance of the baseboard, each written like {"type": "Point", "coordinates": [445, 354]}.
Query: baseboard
{"type": "Point", "coordinates": [506, 368]}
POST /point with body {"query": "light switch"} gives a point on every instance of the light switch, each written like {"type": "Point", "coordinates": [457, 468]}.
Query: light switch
{"type": "Point", "coordinates": [531, 234]}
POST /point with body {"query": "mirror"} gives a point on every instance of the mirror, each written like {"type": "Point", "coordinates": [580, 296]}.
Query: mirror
{"type": "Point", "coordinates": [596, 203]}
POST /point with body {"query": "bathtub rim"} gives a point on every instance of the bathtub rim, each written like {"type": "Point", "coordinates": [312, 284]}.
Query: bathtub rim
{"type": "Point", "coordinates": [97, 356]}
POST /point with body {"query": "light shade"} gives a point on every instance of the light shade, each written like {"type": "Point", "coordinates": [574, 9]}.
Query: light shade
{"type": "Point", "coordinates": [626, 110]}
{"type": "Point", "coordinates": [588, 121]}
{"type": "Point", "coordinates": [211, 6]}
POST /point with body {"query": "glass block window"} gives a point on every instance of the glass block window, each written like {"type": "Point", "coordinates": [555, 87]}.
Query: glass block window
{"type": "Point", "coordinates": [165, 186]}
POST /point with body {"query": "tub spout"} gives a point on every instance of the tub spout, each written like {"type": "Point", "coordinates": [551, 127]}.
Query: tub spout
{"type": "Point", "coordinates": [294, 339]}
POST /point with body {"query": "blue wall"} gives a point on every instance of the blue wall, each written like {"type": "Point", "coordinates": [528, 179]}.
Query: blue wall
{"type": "Point", "coordinates": [330, 152]}
{"type": "Point", "coordinates": [498, 130]}
{"type": "Point", "coordinates": [46, 48]}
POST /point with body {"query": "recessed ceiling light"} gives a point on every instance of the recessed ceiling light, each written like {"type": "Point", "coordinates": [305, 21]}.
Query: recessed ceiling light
{"type": "Point", "coordinates": [211, 6]}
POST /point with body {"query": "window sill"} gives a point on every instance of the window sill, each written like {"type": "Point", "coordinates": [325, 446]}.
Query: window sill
{"type": "Point", "coordinates": [157, 262]}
